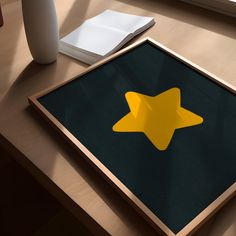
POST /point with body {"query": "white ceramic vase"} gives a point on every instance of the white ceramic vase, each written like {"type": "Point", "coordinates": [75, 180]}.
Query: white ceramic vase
{"type": "Point", "coordinates": [41, 29]}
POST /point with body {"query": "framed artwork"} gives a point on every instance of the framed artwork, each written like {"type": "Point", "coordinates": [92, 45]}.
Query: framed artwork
{"type": "Point", "coordinates": [158, 128]}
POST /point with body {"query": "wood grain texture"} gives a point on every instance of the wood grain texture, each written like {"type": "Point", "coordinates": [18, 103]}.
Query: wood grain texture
{"type": "Point", "coordinates": [207, 39]}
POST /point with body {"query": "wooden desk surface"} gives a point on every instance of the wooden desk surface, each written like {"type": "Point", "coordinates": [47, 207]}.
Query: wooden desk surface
{"type": "Point", "coordinates": [208, 39]}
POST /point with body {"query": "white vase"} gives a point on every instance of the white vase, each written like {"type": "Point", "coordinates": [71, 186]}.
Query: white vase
{"type": "Point", "coordinates": [41, 29]}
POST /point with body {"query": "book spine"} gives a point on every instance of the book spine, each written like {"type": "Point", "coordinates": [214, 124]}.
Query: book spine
{"type": "Point", "coordinates": [1, 17]}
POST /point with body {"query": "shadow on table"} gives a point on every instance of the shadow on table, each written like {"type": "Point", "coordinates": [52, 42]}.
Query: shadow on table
{"type": "Point", "coordinates": [13, 26]}
{"type": "Point", "coordinates": [75, 16]}
{"type": "Point", "coordinates": [190, 14]}
{"type": "Point", "coordinates": [106, 192]}
{"type": "Point", "coordinates": [222, 224]}
{"type": "Point", "coordinates": [28, 125]}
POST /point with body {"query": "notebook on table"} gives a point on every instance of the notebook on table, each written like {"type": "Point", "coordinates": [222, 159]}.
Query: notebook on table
{"type": "Point", "coordinates": [102, 35]}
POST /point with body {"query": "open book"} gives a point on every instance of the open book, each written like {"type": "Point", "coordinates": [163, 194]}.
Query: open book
{"type": "Point", "coordinates": [102, 35]}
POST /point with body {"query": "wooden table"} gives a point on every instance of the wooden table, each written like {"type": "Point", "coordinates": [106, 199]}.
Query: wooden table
{"type": "Point", "coordinates": [208, 39]}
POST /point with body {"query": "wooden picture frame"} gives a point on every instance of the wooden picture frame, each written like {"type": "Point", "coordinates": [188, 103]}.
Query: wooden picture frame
{"type": "Point", "coordinates": [153, 219]}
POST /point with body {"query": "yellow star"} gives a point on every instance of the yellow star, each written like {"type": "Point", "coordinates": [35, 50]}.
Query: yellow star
{"type": "Point", "coordinates": [157, 117]}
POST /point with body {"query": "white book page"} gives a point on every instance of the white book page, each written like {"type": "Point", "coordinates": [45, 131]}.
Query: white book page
{"type": "Point", "coordinates": [95, 38]}
{"type": "Point", "coordinates": [121, 21]}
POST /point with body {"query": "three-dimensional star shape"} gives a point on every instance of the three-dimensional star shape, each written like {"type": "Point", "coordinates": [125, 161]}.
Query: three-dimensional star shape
{"type": "Point", "coordinates": [157, 117]}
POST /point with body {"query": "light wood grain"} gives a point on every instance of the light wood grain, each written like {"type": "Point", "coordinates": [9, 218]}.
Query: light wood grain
{"type": "Point", "coordinates": [207, 39]}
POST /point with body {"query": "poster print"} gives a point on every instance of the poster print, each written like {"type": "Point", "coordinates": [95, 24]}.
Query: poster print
{"type": "Point", "coordinates": [160, 128]}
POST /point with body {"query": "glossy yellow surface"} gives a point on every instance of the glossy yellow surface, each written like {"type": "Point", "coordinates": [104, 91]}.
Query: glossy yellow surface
{"type": "Point", "coordinates": [157, 117]}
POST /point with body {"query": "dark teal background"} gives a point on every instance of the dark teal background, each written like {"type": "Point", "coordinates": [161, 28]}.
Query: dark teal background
{"type": "Point", "coordinates": [200, 162]}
